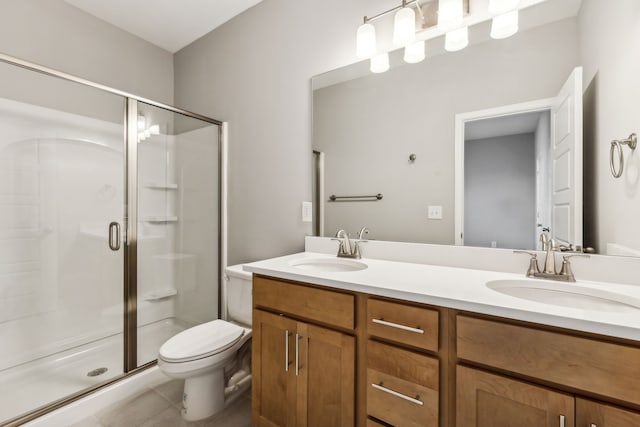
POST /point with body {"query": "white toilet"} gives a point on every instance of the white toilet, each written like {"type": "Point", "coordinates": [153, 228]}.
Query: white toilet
{"type": "Point", "coordinates": [214, 358]}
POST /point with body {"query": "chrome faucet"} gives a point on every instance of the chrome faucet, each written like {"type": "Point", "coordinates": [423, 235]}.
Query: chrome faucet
{"type": "Point", "coordinates": [345, 243]}
{"type": "Point", "coordinates": [346, 249]}
{"type": "Point", "coordinates": [565, 274]}
{"type": "Point", "coordinates": [550, 246]}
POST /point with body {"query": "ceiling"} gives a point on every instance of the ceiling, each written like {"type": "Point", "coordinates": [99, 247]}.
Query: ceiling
{"type": "Point", "coordinates": [169, 24]}
{"type": "Point", "coordinates": [512, 124]}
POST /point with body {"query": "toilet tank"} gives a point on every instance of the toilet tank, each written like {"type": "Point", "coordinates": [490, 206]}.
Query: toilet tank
{"type": "Point", "coordinates": [238, 284]}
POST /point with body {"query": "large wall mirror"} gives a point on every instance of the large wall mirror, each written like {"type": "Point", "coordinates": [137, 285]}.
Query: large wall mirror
{"type": "Point", "coordinates": [492, 145]}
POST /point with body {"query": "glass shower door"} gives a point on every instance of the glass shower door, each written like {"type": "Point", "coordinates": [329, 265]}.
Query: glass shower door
{"type": "Point", "coordinates": [178, 225]}
{"type": "Point", "coordinates": [62, 158]}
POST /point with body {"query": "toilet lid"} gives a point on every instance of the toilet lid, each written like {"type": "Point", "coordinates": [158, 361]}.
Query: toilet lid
{"type": "Point", "coordinates": [201, 341]}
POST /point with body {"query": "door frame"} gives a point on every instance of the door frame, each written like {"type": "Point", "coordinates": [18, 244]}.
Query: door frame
{"type": "Point", "coordinates": [461, 119]}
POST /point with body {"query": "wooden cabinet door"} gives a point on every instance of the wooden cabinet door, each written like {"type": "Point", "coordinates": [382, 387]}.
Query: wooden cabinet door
{"type": "Point", "coordinates": [326, 381]}
{"type": "Point", "coordinates": [594, 414]}
{"type": "Point", "coordinates": [488, 400]}
{"type": "Point", "coordinates": [274, 378]}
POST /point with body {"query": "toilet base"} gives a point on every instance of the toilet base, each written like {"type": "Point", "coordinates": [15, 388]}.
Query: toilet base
{"type": "Point", "coordinates": [203, 396]}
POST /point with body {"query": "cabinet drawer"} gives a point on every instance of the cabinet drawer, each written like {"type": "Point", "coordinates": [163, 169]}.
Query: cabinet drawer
{"type": "Point", "coordinates": [594, 414]}
{"type": "Point", "coordinates": [488, 400]}
{"type": "Point", "coordinates": [407, 324]}
{"type": "Point", "coordinates": [402, 386]}
{"type": "Point", "coordinates": [324, 306]}
{"type": "Point", "coordinates": [594, 366]}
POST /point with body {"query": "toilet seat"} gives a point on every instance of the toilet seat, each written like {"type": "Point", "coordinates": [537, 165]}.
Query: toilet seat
{"type": "Point", "coordinates": [201, 341]}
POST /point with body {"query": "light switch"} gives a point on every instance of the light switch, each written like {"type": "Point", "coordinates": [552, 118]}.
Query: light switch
{"type": "Point", "coordinates": [307, 212]}
{"type": "Point", "coordinates": [434, 212]}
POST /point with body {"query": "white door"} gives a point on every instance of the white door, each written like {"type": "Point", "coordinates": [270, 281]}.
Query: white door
{"type": "Point", "coordinates": [566, 159]}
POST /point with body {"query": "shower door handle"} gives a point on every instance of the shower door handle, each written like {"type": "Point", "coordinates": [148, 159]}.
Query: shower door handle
{"type": "Point", "coordinates": [114, 236]}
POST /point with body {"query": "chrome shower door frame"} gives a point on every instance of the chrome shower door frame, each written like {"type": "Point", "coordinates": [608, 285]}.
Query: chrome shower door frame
{"type": "Point", "coordinates": [130, 255]}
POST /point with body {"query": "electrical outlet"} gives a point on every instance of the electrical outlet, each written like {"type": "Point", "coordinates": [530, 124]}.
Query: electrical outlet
{"type": "Point", "coordinates": [434, 212]}
{"type": "Point", "coordinates": [307, 211]}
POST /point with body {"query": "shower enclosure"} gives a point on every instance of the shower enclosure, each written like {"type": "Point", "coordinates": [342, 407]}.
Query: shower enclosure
{"type": "Point", "coordinates": [109, 234]}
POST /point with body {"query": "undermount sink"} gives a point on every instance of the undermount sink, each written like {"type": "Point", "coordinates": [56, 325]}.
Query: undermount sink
{"type": "Point", "coordinates": [328, 265]}
{"type": "Point", "coordinates": [566, 295]}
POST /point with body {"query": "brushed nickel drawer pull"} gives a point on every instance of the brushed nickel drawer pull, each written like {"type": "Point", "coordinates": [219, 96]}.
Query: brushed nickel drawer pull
{"type": "Point", "coordinates": [298, 338]}
{"type": "Point", "coordinates": [396, 394]}
{"type": "Point", "coordinates": [287, 334]}
{"type": "Point", "coordinates": [561, 420]}
{"type": "Point", "coordinates": [398, 326]}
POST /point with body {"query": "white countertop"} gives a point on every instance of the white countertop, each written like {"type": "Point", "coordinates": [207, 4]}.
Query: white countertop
{"type": "Point", "coordinates": [462, 289]}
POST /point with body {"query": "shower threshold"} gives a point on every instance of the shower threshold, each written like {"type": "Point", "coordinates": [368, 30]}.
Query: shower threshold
{"type": "Point", "coordinates": [38, 383]}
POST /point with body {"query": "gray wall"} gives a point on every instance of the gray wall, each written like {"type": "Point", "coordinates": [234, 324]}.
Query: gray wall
{"type": "Point", "coordinates": [609, 53]}
{"type": "Point", "coordinates": [60, 36]}
{"type": "Point", "coordinates": [255, 72]}
{"type": "Point", "coordinates": [499, 184]}
{"type": "Point", "coordinates": [368, 127]}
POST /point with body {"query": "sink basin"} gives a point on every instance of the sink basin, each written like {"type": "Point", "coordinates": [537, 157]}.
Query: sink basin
{"type": "Point", "coordinates": [328, 265]}
{"type": "Point", "coordinates": [566, 295]}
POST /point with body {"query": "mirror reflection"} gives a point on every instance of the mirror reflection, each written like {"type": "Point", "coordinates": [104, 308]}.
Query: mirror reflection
{"type": "Point", "coordinates": [494, 144]}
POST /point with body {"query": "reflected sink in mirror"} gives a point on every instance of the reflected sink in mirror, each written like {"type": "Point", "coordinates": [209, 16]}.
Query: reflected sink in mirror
{"type": "Point", "coordinates": [566, 295]}
{"type": "Point", "coordinates": [328, 265]}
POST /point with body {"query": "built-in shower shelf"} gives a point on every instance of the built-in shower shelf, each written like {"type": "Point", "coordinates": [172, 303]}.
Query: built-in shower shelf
{"type": "Point", "coordinates": [159, 294]}
{"type": "Point", "coordinates": [160, 219]}
{"type": "Point", "coordinates": [161, 186]}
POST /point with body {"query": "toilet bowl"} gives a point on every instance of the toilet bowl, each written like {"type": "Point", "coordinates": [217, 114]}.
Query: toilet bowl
{"type": "Point", "coordinates": [213, 358]}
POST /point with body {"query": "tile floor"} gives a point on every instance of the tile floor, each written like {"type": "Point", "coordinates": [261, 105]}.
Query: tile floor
{"type": "Point", "coordinates": [160, 407]}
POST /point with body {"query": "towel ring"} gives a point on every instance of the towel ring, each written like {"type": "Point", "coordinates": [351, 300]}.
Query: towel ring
{"type": "Point", "coordinates": [632, 142]}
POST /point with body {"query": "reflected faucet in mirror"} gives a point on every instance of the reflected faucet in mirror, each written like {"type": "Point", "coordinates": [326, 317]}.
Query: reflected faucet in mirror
{"type": "Point", "coordinates": [347, 249]}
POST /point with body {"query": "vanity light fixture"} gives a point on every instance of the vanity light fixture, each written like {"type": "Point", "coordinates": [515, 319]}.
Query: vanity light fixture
{"type": "Point", "coordinates": [414, 52]}
{"type": "Point", "coordinates": [450, 13]}
{"type": "Point", "coordinates": [450, 20]}
{"type": "Point", "coordinates": [366, 41]}
{"type": "Point", "coordinates": [498, 7]}
{"type": "Point", "coordinates": [505, 25]}
{"type": "Point", "coordinates": [404, 26]}
{"type": "Point", "coordinates": [457, 39]}
{"type": "Point", "coordinates": [404, 34]}
{"type": "Point", "coordinates": [380, 63]}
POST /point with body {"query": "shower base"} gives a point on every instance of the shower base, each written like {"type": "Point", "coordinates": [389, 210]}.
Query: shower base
{"type": "Point", "coordinates": [40, 382]}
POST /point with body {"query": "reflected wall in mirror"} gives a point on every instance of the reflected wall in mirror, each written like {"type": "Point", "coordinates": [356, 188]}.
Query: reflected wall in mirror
{"type": "Point", "coordinates": [368, 125]}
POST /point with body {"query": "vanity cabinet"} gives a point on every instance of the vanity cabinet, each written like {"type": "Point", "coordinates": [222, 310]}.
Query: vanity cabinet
{"type": "Point", "coordinates": [324, 357]}
{"type": "Point", "coordinates": [595, 414]}
{"type": "Point", "coordinates": [303, 373]}
{"type": "Point", "coordinates": [488, 400]}
{"type": "Point", "coordinates": [402, 379]}
{"type": "Point", "coordinates": [561, 361]}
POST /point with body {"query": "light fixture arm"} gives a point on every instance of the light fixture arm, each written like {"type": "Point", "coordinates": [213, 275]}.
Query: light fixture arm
{"type": "Point", "coordinates": [415, 3]}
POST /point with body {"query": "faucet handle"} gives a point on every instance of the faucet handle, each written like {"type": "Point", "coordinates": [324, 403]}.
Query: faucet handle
{"type": "Point", "coordinates": [533, 262]}
{"type": "Point", "coordinates": [363, 231]}
{"type": "Point", "coordinates": [340, 244]}
{"type": "Point", "coordinates": [565, 270]}
{"type": "Point", "coordinates": [356, 249]}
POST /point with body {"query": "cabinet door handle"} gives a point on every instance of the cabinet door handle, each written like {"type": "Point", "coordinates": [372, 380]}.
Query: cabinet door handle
{"type": "Point", "coordinates": [398, 326]}
{"type": "Point", "coordinates": [287, 334]}
{"type": "Point", "coordinates": [114, 236]}
{"type": "Point", "coordinates": [298, 338]}
{"type": "Point", "coordinates": [561, 420]}
{"type": "Point", "coordinates": [592, 425]}
{"type": "Point", "coordinates": [396, 394]}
